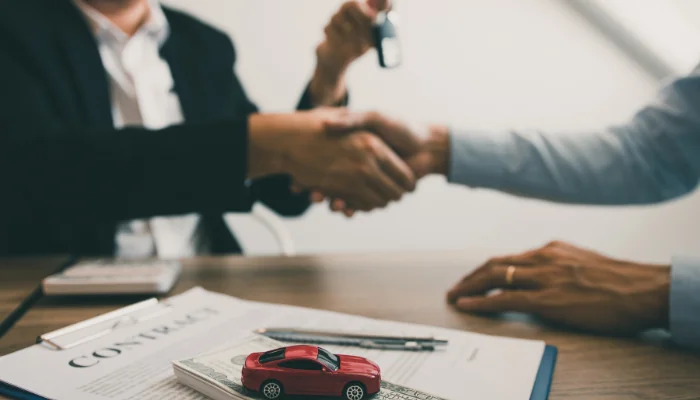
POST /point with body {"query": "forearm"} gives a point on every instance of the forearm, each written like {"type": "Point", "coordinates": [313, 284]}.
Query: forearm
{"type": "Point", "coordinates": [271, 147]}
{"type": "Point", "coordinates": [685, 301]}
{"type": "Point", "coordinates": [327, 87]}
{"type": "Point", "coordinates": [651, 159]}
{"type": "Point", "coordinates": [274, 142]}
{"type": "Point", "coordinates": [586, 168]}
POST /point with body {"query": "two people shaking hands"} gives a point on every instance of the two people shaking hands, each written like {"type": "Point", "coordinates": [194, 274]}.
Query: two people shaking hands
{"type": "Point", "coordinates": [132, 113]}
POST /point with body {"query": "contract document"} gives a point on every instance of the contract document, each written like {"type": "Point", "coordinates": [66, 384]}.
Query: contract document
{"type": "Point", "coordinates": [132, 358]}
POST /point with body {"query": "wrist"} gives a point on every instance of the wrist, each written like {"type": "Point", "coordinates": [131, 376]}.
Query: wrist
{"type": "Point", "coordinates": [329, 65]}
{"type": "Point", "coordinates": [328, 82]}
{"type": "Point", "coordinates": [438, 146]}
{"type": "Point", "coordinates": [265, 146]}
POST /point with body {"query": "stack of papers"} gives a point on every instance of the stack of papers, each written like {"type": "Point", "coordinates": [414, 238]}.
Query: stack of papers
{"type": "Point", "coordinates": [217, 374]}
{"type": "Point", "coordinates": [133, 360]}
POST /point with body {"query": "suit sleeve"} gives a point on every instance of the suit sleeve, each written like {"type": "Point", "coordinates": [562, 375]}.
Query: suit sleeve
{"type": "Point", "coordinates": [63, 173]}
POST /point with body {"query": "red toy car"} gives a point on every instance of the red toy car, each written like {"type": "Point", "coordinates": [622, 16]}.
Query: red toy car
{"type": "Point", "coordinates": [310, 370]}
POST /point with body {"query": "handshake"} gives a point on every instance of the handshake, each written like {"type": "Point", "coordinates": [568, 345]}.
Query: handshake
{"type": "Point", "coordinates": [362, 161]}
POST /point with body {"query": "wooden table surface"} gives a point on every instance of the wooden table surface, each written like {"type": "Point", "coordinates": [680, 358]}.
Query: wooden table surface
{"type": "Point", "coordinates": [406, 287]}
{"type": "Point", "coordinates": [18, 277]}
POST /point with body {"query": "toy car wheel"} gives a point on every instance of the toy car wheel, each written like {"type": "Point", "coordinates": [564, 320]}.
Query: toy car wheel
{"type": "Point", "coordinates": [271, 390]}
{"type": "Point", "coordinates": [354, 391]}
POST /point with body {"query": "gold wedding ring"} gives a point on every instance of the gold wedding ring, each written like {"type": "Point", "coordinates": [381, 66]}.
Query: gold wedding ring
{"type": "Point", "coordinates": [510, 272]}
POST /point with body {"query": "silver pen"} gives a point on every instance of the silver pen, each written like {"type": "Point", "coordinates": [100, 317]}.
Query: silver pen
{"type": "Point", "coordinates": [367, 341]}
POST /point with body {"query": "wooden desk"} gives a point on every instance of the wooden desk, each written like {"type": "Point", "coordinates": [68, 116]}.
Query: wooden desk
{"type": "Point", "coordinates": [19, 277]}
{"type": "Point", "coordinates": [410, 288]}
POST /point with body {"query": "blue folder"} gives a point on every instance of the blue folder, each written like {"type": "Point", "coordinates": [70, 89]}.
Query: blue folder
{"type": "Point", "coordinates": [543, 382]}
{"type": "Point", "coordinates": [540, 391]}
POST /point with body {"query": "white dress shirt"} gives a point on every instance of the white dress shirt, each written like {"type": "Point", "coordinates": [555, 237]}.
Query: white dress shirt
{"type": "Point", "coordinates": [141, 94]}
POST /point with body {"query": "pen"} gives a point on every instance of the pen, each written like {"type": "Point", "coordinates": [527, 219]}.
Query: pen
{"type": "Point", "coordinates": [367, 341]}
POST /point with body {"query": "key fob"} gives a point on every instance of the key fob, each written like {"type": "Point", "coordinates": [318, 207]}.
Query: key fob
{"type": "Point", "coordinates": [386, 40]}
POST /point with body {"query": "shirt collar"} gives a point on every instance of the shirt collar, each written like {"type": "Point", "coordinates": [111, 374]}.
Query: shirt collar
{"type": "Point", "coordinates": [156, 27]}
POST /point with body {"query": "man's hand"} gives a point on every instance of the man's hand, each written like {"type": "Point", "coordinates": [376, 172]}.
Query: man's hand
{"type": "Point", "coordinates": [425, 149]}
{"type": "Point", "coordinates": [348, 36]}
{"type": "Point", "coordinates": [570, 286]}
{"type": "Point", "coordinates": [358, 166]}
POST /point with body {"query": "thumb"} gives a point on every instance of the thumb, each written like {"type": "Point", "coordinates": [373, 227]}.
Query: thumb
{"type": "Point", "coordinates": [405, 140]}
{"type": "Point", "coordinates": [345, 123]}
{"type": "Point", "coordinates": [421, 164]}
{"type": "Point", "coordinates": [380, 5]}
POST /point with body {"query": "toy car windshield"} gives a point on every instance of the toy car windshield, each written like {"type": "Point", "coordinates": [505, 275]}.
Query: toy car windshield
{"type": "Point", "coordinates": [272, 355]}
{"type": "Point", "coordinates": [328, 359]}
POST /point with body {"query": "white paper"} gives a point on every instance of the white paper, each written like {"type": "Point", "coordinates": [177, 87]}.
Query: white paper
{"type": "Point", "coordinates": [134, 361]}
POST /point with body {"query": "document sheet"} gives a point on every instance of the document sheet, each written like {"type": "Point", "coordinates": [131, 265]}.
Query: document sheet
{"type": "Point", "coordinates": [134, 360]}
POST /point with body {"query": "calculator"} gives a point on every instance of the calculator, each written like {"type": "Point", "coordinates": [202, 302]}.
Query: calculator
{"type": "Point", "coordinates": [114, 277]}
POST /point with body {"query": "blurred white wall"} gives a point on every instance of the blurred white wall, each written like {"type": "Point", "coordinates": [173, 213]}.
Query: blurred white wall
{"type": "Point", "coordinates": [477, 64]}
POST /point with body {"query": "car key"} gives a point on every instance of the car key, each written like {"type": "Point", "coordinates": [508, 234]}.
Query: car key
{"type": "Point", "coordinates": [386, 39]}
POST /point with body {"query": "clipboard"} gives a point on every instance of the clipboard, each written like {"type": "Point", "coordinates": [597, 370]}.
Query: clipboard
{"type": "Point", "coordinates": [540, 390]}
{"type": "Point", "coordinates": [102, 325]}
{"type": "Point", "coordinates": [89, 330]}
{"type": "Point", "coordinates": [94, 328]}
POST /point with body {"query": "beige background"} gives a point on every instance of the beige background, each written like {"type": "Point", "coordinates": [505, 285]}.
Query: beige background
{"type": "Point", "coordinates": [476, 64]}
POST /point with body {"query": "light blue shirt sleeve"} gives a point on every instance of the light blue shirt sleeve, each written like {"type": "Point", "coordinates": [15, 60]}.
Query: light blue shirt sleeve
{"type": "Point", "coordinates": [685, 301]}
{"type": "Point", "coordinates": [652, 158]}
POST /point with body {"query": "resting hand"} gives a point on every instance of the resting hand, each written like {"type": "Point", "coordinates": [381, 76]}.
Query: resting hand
{"type": "Point", "coordinates": [570, 286]}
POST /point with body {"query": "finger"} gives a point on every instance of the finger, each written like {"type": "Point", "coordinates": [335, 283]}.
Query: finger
{"type": "Point", "coordinates": [364, 198]}
{"type": "Point", "coordinates": [523, 259]}
{"type": "Point", "coordinates": [349, 212]}
{"type": "Point", "coordinates": [361, 16]}
{"type": "Point", "coordinates": [518, 301]}
{"type": "Point", "coordinates": [359, 37]}
{"type": "Point", "coordinates": [334, 33]}
{"type": "Point", "coordinates": [380, 5]}
{"type": "Point", "coordinates": [317, 197]}
{"type": "Point", "coordinates": [360, 197]}
{"type": "Point", "coordinates": [385, 186]}
{"type": "Point", "coordinates": [396, 169]}
{"type": "Point", "coordinates": [338, 205]}
{"type": "Point", "coordinates": [344, 123]}
{"type": "Point", "coordinates": [374, 197]}
{"type": "Point", "coordinates": [401, 137]}
{"type": "Point", "coordinates": [495, 277]}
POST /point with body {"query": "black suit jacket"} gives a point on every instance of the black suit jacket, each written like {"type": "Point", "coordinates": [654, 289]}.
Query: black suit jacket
{"type": "Point", "coordinates": [68, 177]}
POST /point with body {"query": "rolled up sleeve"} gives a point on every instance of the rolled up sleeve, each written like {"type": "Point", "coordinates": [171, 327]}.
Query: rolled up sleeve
{"type": "Point", "coordinates": [685, 301]}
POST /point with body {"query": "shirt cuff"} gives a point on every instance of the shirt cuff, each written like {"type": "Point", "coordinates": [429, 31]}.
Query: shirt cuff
{"type": "Point", "coordinates": [685, 301]}
{"type": "Point", "coordinates": [479, 159]}
{"type": "Point", "coordinates": [306, 102]}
